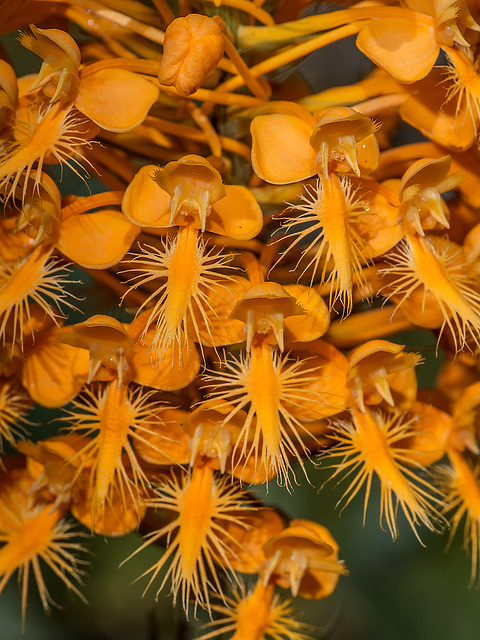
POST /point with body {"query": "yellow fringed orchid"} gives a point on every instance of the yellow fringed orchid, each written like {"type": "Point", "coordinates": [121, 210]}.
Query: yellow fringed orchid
{"type": "Point", "coordinates": [34, 534]}
{"type": "Point", "coordinates": [197, 545]}
{"type": "Point", "coordinates": [289, 147]}
{"type": "Point", "coordinates": [256, 614]}
{"type": "Point", "coordinates": [14, 407]}
{"type": "Point", "coordinates": [444, 121]}
{"type": "Point", "coordinates": [435, 284]}
{"type": "Point", "coordinates": [189, 196]}
{"type": "Point", "coordinates": [115, 414]}
{"type": "Point", "coordinates": [115, 99]}
{"type": "Point", "coordinates": [374, 444]}
{"type": "Point", "coordinates": [304, 559]}
{"type": "Point", "coordinates": [408, 47]}
{"type": "Point", "coordinates": [38, 278]}
{"type": "Point", "coordinates": [273, 387]}
{"type": "Point", "coordinates": [461, 483]}
{"type": "Point", "coordinates": [382, 372]}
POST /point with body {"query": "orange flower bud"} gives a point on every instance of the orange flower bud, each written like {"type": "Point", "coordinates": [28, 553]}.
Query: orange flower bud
{"type": "Point", "coordinates": [192, 49]}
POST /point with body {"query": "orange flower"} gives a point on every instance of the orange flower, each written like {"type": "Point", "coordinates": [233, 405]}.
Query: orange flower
{"type": "Point", "coordinates": [408, 47]}
{"type": "Point", "coordinates": [435, 284]}
{"type": "Point", "coordinates": [304, 559]}
{"type": "Point", "coordinates": [381, 371]}
{"type": "Point", "coordinates": [189, 195]}
{"type": "Point", "coordinates": [196, 541]}
{"type": "Point", "coordinates": [35, 277]}
{"type": "Point", "coordinates": [33, 533]}
{"type": "Point", "coordinates": [115, 99]}
{"type": "Point", "coordinates": [371, 444]}
{"type": "Point", "coordinates": [289, 147]}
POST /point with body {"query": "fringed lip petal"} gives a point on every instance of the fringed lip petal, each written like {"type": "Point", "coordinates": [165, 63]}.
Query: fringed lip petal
{"type": "Point", "coordinates": [404, 48]}
{"type": "Point", "coordinates": [96, 240]}
{"type": "Point", "coordinates": [281, 151]}
{"type": "Point", "coordinates": [144, 202]}
{"type": "Point", "coordinates": [115, 99]}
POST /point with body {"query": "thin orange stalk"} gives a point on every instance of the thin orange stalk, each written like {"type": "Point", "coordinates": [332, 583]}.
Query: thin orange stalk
{"type": "Point", "coordinates": [247, 7]}
{"type": "Point", "coordinates": [367, 325]}
{"type": "Point", "coordinates": [217, 97]}
{"type": "Point", "coordinates": [190, 133]}
{"type": "Point", "coordinates": [294, 53]}
{"type": "Point", "coordinates": [211, 136]}
{"type": "Point", "coordinates": [287, 31]}
{"type": "Point", "coordinates": [250, 80]}
{"type": "Point", "coordinates": [122, 20]}
{"type": "Point", "coordinates": [164, 10]}
{"type": "Point", "coordinates": [82, 205]}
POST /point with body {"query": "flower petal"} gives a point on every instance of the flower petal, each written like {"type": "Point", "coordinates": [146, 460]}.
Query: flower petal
{"type": "Point", "coordinates": [238, 215]}
{"type": "Point", "coordinates": [404, 48]}
{"type": "Point", "coordinates": [144, 202]}
{"type": "Point", "coordinates": [281, 151]}
{"type": "Point", "coordinates": [115, 99]}
{"type": "Point", "coordinates": [96, 240]}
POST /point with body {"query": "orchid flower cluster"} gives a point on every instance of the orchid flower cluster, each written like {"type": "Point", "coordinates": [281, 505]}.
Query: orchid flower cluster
{"type": "Point", "coordinates": [264, 245]}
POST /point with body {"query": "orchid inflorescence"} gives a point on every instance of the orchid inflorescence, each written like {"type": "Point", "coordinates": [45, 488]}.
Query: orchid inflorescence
{"type": "Point", "coordinates": [264, 245]}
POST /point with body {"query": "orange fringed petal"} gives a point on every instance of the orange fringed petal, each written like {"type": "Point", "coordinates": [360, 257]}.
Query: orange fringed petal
{"type": "Point", "coordinates": [237, 215]}
{"type": "Point", "coordinates": [115, 99]}
{"type": "Point", "coordinates": [96, 240]}
{"type": "Point", "coordinates": [404, 48]}
{"type": "Point", "coordinates": [144, 202]}
{"type": "Point", "coordinates": [281, 150]}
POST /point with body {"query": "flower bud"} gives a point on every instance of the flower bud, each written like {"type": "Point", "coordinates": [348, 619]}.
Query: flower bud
{"type": "Point", "coordinates": [192, 49]}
